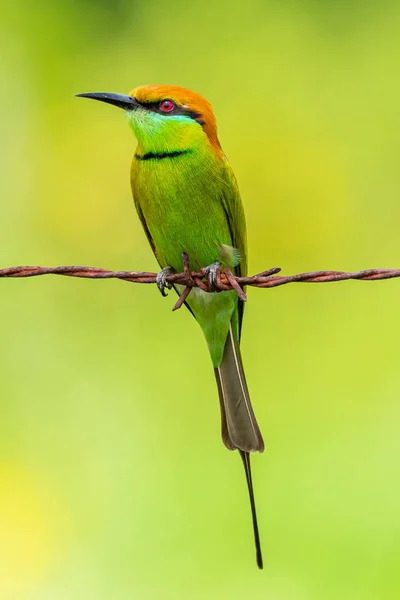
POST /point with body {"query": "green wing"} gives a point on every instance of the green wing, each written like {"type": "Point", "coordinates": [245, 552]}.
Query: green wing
{"type": "Point", "coordinates": [144, 225]}
{"type": "Point", "coordinates": [233, 207]}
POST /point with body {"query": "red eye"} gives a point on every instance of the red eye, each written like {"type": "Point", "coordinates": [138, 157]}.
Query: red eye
{"type": "Point", "coordinates": [167, 105]}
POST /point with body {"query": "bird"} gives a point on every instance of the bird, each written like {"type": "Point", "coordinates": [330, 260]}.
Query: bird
{"type": "Point", "coordinates": [187, 198]}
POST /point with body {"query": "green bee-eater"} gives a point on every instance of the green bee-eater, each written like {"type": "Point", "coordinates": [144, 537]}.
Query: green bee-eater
{"type": "Point", "coordinates": [187, 199]}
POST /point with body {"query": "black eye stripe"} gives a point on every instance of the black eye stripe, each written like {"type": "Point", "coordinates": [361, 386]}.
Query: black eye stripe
{"type": "Point", "coordinates": [177, 110]}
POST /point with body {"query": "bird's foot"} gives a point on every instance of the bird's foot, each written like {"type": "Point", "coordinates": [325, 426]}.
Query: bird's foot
{"type": "Point", "coordinates": [211, 272]}
{"type": "Point", "coordinates": [161, 280]}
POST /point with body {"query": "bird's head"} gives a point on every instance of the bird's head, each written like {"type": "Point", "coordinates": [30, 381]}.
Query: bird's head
{"type": "Point", "coordinates": [165, 118]}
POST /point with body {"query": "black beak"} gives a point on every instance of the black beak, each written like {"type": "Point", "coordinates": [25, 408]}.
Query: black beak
{"type": "Point", "coordinates": [125, 102]}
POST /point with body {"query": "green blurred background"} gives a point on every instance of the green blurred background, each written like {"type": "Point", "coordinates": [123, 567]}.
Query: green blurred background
{"type": "Point", "coordinates": [114, 483]}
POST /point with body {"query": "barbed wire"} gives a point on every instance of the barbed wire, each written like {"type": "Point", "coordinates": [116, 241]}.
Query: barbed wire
{"type": "Point", "coordinates": [224, 280]}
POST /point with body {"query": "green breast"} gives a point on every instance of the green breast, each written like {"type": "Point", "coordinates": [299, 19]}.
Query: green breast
{"type": "Point", "coordinates": [179, 197]}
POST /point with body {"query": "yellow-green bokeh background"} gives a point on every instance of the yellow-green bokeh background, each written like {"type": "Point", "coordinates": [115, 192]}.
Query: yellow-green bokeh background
{"type": "Point", "coordinates": [114, 483]}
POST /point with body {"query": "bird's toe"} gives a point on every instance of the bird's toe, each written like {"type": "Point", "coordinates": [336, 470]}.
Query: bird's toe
{"type": "Point", "coordinates": [211, 272]}
{"type": "Point", "coordinates": [161, 280]}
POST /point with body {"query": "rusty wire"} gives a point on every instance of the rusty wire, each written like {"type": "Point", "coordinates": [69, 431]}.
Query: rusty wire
{"type": "Point", "coordinates": [225, 280]}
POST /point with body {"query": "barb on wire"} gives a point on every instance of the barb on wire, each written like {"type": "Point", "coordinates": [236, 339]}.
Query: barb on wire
{"type": "Point", "coordinates": [224, 281]}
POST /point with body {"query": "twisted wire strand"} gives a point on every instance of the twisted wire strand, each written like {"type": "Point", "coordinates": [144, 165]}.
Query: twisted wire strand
{"type": "Point", "coordinates": [225, 280]}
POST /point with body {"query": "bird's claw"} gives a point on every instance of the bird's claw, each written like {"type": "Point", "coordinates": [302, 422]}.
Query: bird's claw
{"type": "Point", "coordinates": [211, 273]}
{"type": "Point", "coordinates": [161, 280]}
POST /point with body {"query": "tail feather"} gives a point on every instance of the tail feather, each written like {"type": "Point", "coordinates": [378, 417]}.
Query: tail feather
{"type": "Point", "coordinates": [246, 462]}
{"type": "Point", "coordinates": [239, 425]}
